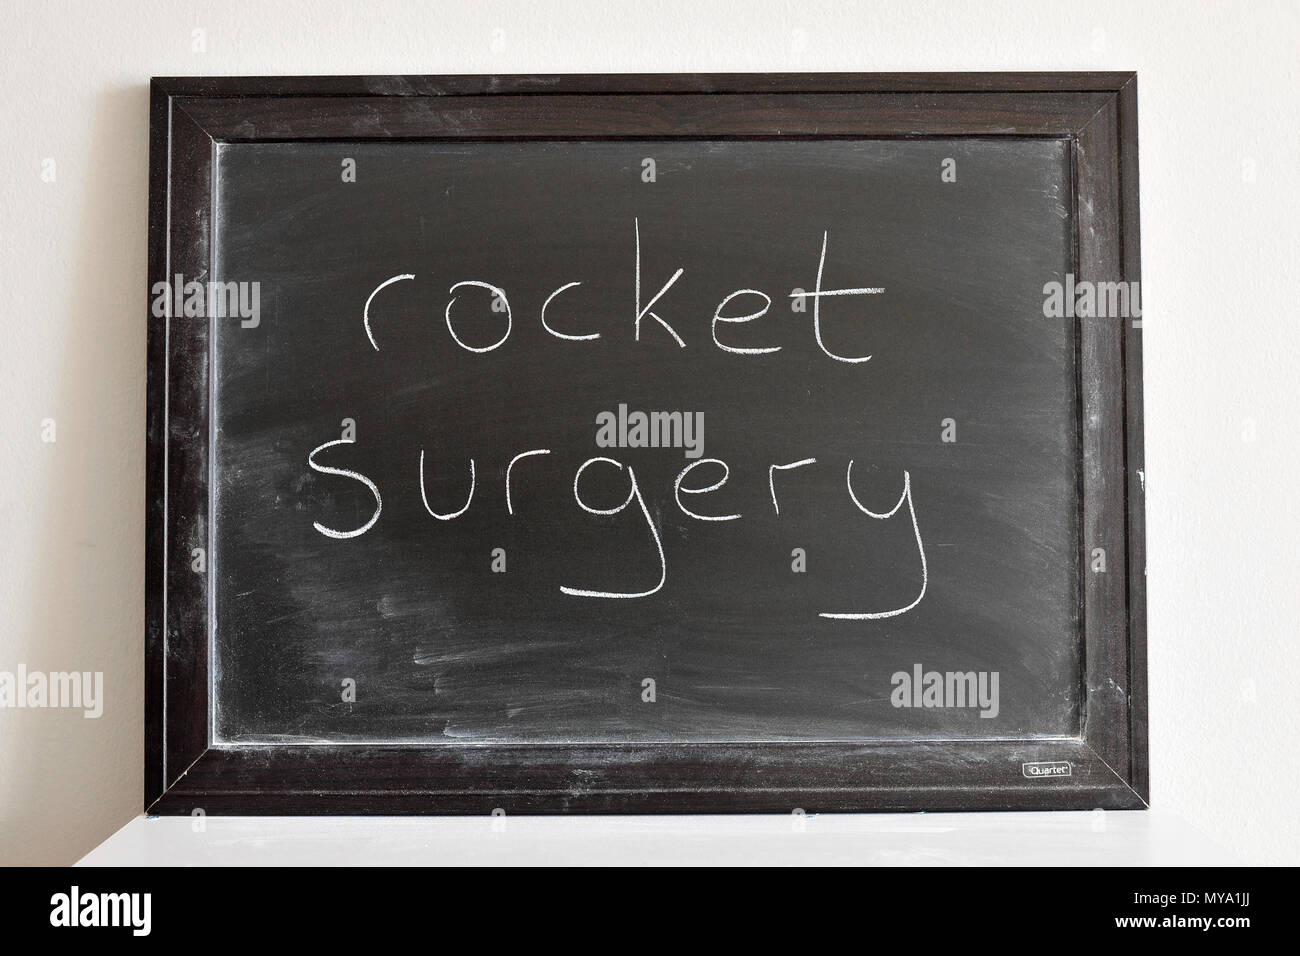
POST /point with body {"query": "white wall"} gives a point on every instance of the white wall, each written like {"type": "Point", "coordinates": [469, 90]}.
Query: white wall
{"type": "Point", "coordinates": [1218, 89]}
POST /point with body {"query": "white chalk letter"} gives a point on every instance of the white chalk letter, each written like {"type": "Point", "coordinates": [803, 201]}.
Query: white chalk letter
{"type": "Point", "coordinates": [365, 313]}
{"type": "Point", "coordinates": [925, 575]}
{"type": "Point", "coordinates": [642, 313]}
{"type": "Point", "coordinates": [344, 473]}
{"type": "Point", "coordinates": [635, 492]}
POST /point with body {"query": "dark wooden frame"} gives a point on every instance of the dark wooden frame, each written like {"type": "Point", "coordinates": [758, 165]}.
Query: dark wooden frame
{"type": "Point", "coordinates": [1096, 112]}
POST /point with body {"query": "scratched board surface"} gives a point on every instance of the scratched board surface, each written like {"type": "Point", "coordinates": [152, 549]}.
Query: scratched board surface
{"type": "Point", "coordinates": [881, 535]}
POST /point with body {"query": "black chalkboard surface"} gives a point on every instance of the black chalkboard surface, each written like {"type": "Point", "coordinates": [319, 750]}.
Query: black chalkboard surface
{"type": "Point", "coordinates": [664, 443]}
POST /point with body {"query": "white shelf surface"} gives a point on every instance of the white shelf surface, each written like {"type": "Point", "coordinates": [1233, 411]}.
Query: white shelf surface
{"type": "Point", "coordinates": [1086, 838]}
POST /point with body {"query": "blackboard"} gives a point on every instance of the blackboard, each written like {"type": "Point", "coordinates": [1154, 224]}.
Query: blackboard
{"type": "Point", "coordinates": [623, 444]}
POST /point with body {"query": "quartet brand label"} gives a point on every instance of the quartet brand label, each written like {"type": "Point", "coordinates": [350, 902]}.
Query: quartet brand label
{"type": "Point", "coordinates": [1043, 769]}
